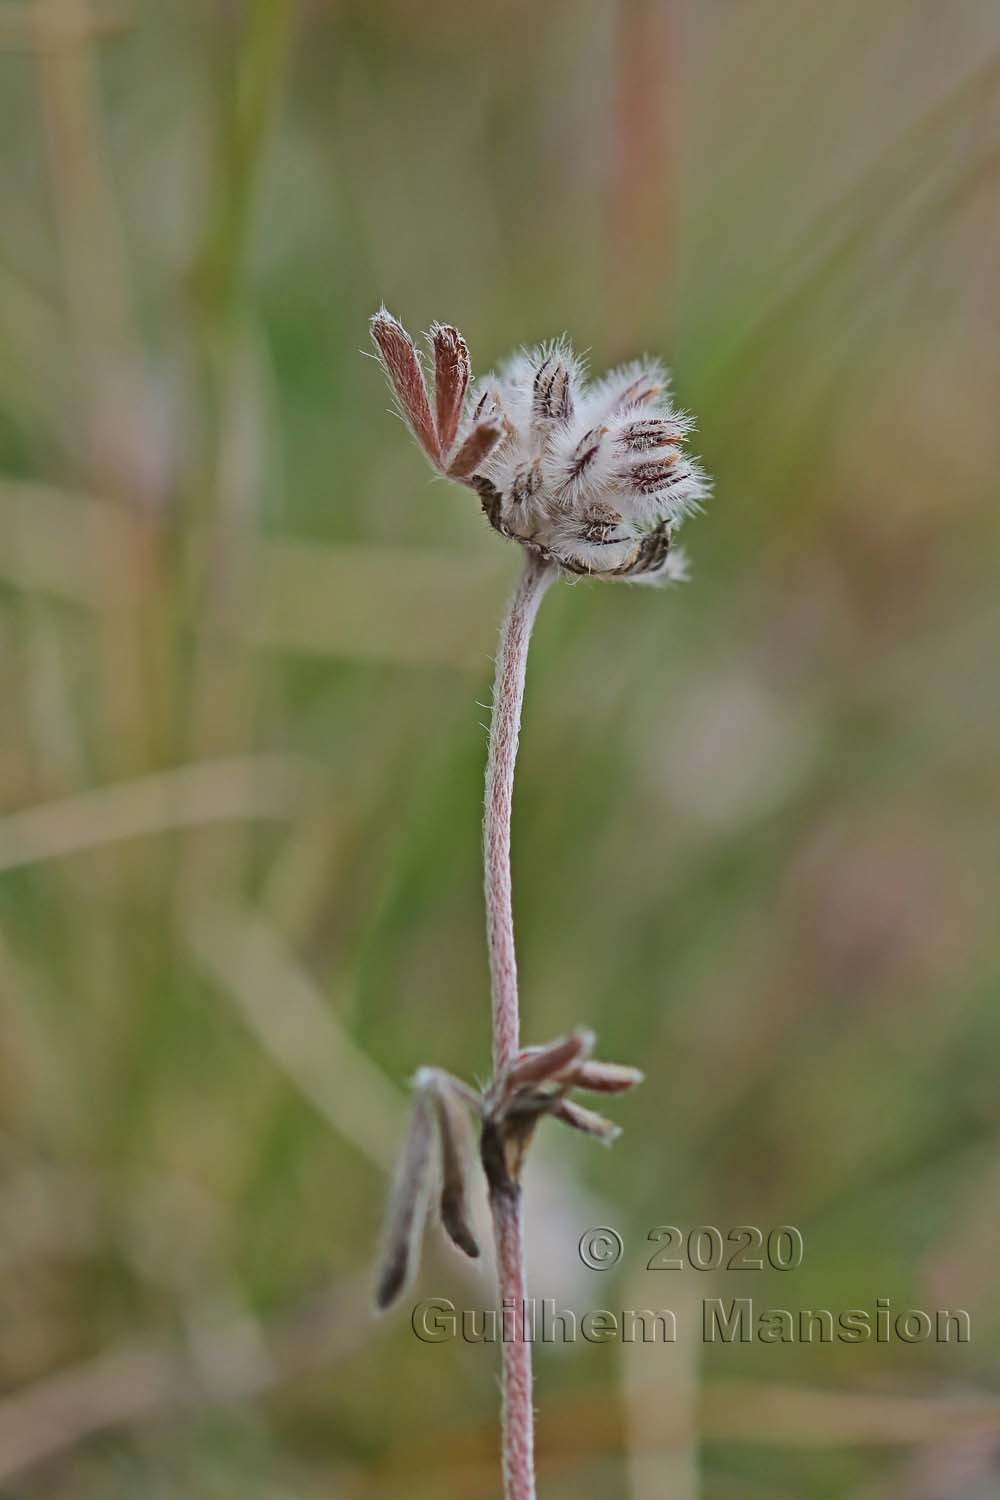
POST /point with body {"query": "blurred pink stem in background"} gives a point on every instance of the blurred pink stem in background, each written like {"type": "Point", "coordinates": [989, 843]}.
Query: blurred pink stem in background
{"type": "Point", "coordinates": [642, 179]}
{"type": "Point", "coordinates": [508, 1225]}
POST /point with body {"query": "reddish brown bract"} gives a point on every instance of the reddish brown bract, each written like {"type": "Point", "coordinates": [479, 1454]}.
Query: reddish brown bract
{"type": "Point", "coordinates": [399, 356]}
{"type": "Point", "coordinates": [451, 381]}
{"type": "Point", "coordinates": [477, 446]}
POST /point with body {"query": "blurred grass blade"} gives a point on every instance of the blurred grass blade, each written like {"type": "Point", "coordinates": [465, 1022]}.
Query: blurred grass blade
{"type": "Point", "coordinates": [298, 1029]}
{"type": "Point", "coordinates": [221, 791]}
{"type": "Point", "coordinates": [416, 606]}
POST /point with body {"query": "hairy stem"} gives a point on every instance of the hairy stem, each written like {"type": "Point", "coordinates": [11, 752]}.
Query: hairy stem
{"type": "Point", "coordinates": [517, 1417]}
{"type": "Point", "coordinates": [508, 694]}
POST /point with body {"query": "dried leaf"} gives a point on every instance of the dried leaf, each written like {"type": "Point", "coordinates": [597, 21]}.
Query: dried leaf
{"type": "Point", "coordinates": [453, 1128]}
{"type": "Point", "coordinates": [407, 1210]}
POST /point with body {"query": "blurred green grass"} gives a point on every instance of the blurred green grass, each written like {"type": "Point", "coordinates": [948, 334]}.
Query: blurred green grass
{"type": "Point", "coordinates": [753, 835]}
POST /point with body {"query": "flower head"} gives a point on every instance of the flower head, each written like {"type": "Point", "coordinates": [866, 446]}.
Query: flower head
{"type": "Point", "coordinates": [592, 477]}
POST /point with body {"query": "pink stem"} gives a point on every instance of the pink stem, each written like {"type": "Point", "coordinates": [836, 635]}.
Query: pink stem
{"type": "Point", "coordinates": [508, 694]}
{"type": "Point", "coordinates": [517, 1416]}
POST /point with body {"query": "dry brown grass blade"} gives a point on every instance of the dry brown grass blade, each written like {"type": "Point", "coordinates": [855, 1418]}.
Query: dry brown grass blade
{"type": "Point", "coordinates": [189, 796]}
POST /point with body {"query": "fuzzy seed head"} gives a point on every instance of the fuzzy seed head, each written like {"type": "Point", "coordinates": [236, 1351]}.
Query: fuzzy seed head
{"type": "Point", "coordinates": [592, 477]}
